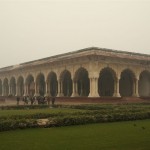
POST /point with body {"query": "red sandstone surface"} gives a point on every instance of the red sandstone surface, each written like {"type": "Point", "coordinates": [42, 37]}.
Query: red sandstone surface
{"type": "Point", "coordinates": [84, 100]}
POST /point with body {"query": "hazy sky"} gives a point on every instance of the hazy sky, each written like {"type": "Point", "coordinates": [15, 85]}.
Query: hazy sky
{"type": "Point", "coordinates": [33, 29]}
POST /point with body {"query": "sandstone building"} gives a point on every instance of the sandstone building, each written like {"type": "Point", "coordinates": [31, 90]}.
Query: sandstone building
{"type": "Point", "coordinates": [90, 72]}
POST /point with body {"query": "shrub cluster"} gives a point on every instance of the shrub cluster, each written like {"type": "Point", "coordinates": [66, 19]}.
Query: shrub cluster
{"type": "Point", "coordinates": [91, 114]}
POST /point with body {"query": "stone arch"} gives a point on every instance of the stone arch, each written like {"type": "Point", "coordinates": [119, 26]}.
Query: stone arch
{"type": "Point", "coordinates": [6, 87]}
{"type": "Point", "coordinates": [82, 80]}
{"type": "Point", "coordinates": [144, 84]}
{"type": "Point", "coordinates": [1, 88]}
{"type": "Point", "coordinates": [65, 77]}
{"type": "Point", "coordinates": [126, 83]}
{"type": "Point", "coordinates": [106, 82]}
{"type": "Point", "coordinates": [52, 84]}
{"type": "Point", "coordinates": [12, 86]}
{"type": "Point", "coordinates": [20, 86]}
{"type": "Point", "coordinates": [30, 85]}
{"type": "Point", "coordinates": [40, 84]}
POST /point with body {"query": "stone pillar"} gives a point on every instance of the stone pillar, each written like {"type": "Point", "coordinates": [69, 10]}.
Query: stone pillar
{"type": "Point", "coordinates": [116, 88]}
{"type": "Point", "coordinates": [17, 90]}
{"type": "Point", "coordinates": [46, 89]}
{"type": "Point", "coordinates": [74, 89]}
{"type": "Point", "coordinates": [60, 89]}
{"type": "Point", "coordinates": [9, 87]}
{"type": "Point", "coordinates": [25, 90]}
{"type": "Point", "coordinates": [96, 87]}
{"type": "Point", "coordinates": [135, 88]}
{"type": "Point", "coordinates": [93, 87]}
{"type": "Point", "coordinates": [3, 90]}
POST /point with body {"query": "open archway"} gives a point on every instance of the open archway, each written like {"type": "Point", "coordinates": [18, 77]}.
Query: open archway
{"type": "Point", "coordinates": [6, 87]}
{"type": "Point", "coordinates": [127, 83]}
{"type": "Point", "coordinates": [52, 84]}
{"type": "Point", "coordinates": [106, 82]}
{"type": "Point", "coordinates": [20, 84]}
{"type": "Point", "coordinates": [40, 83]}
{"type": "Point", "coordinates": [30, 86]}
{"type": "Point", "coordinates": [12, 86]}
{"type": "Point", "coordinates": [82, 80]}
{"type": "Point", "coordinates": [66, 83]}
{"type": "Point", "coordinates": [144, 84]}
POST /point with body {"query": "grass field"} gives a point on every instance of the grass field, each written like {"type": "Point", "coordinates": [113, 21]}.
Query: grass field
{"type": "Point", "coordinates": [130, 135]}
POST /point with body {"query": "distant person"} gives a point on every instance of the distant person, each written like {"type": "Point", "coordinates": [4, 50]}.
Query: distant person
{"type": "Point", "coordinates": [32, 100]}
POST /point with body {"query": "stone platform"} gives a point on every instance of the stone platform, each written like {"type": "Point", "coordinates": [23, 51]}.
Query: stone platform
{"type": "Point", "coordinates": [82, 100]}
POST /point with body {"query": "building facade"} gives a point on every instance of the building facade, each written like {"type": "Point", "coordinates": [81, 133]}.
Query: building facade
{"type": "Point", "coordinates": [90, 72]}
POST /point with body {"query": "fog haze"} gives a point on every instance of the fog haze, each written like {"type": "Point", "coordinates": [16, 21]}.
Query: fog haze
{"type": "Point", "coordinates": [35, 29]}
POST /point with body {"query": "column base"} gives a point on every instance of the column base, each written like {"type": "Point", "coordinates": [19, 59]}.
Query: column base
{"type": "Point", "coordinates": [36, 94]}
{"type": "Point", "coordinates": [47, 94]}
{"type": "Point", "coordinates": [117, 95]}
{"type": "Point", "coordinates": [93, 95]}
{"type": "Point", "coordinates": [24, 94]}
{"type": "Point", "coordinates": [75, 95]}
{"type": "Point", "coordinates": [60, 95]}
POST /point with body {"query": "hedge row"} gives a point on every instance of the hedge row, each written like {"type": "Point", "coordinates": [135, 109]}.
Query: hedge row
{"type": "Point", "coordinates": [71, 119]}
{"type": "Point", "coordinates": [41, 115]}
{"type": "Point", "coordinates": [78, 120]}
{"type": "Point", "coordinates": [87, 114]}
{"type": "Point", "coordinates": [129, 106]}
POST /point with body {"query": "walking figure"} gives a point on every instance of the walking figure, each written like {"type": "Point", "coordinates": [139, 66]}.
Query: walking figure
{"type": "Point", "coordinates": [32, 100]}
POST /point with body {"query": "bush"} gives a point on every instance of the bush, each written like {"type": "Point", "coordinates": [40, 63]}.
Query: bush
{"type": "Point", "coordinates": [90, 114]}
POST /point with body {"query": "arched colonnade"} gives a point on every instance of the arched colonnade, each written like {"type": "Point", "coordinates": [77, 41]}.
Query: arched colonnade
{"type": "Point", "coordinates": [108, 83]}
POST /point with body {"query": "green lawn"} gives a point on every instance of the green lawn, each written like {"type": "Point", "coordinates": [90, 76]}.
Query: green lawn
{"type": "Point", "coordinates": [131, 135]}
